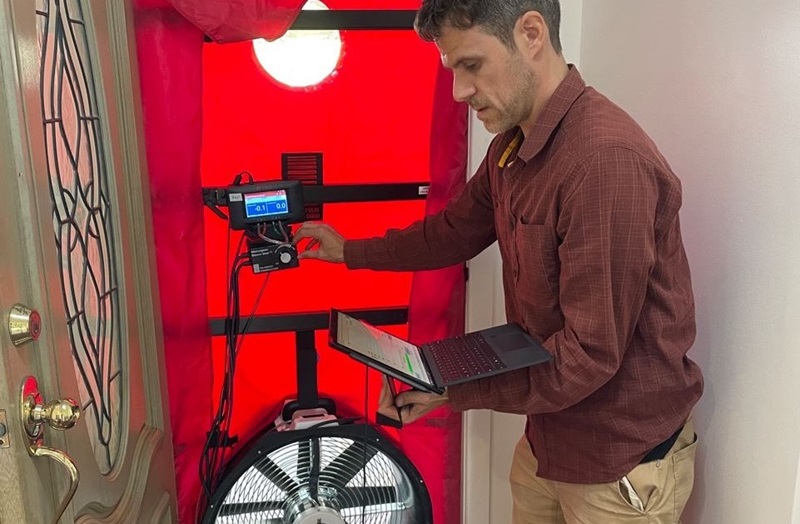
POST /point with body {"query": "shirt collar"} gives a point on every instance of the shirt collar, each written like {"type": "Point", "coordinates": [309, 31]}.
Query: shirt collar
{"type": "Point", "coordinates": [552, 113]}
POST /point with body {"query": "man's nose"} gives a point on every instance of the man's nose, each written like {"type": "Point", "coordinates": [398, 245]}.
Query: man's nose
{"type": "Point", "coordinates": [462, 91]}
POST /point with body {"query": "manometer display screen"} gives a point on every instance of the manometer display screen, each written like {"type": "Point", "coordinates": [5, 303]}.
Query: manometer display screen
{"type": "Point", "coordinates": [265, 204]}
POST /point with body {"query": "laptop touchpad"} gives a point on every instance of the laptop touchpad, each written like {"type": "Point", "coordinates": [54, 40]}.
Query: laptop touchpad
{"type": "Point", "coordinates": [511, 342]}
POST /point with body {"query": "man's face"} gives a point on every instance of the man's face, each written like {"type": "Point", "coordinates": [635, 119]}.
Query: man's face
{"type": "Point", "coordinates": [492, 78]}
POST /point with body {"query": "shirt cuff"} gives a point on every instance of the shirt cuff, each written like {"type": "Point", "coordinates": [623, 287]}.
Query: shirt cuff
{"type": "Point", "coordinates": [466, 396]}
{"type": "Point", "coordinates": [355, 254]}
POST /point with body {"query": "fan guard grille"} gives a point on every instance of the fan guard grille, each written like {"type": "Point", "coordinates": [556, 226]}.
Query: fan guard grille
{"type": "Point", "coordinates": [347, 474]}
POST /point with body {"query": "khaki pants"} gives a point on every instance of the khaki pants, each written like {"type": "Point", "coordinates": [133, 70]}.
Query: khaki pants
{"type": "Point", "coordinates": [653, 493]}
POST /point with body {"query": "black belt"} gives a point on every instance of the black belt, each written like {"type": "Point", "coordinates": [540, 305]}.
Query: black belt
{"type": "Point", "coordinates": [660, 451]}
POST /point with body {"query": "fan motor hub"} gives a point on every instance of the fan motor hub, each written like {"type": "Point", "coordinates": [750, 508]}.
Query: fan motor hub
{"type": "Point", "coordinates": [319, 515]}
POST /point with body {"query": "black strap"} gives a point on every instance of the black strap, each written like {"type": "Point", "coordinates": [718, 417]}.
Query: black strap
{"type": "Point", "coordinates": [383, 420]}
{"type": "Point", "coordinates": [660, 451]}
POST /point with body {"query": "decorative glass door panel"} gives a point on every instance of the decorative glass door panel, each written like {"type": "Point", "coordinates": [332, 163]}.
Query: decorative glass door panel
{"type": "Point", "coordinates": [83, 216]}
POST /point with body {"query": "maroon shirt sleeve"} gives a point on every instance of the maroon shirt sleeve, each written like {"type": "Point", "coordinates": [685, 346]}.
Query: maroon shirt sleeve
{"type": "Point", "coordinates": [454, 235]}
{"type": "Point", "coordinates": [608, 226]}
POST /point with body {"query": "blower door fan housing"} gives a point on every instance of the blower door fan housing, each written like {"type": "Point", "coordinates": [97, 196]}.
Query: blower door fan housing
{"type": "Point", "coordinates": [328, 475]}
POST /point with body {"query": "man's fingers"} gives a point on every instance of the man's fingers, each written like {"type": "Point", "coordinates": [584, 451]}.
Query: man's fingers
{"type": "Point", "coordinates": [385, 398]}
{"type": "Point", "coordinates": [325, 243]}
{"type": "Point", "coordinates": [386, 405]}
{"type": "Point", "coordinates": [308, 251]}
{"type": "Point", "coordinates": [412, 412]}
{"type": "Point", "coordinates": [308, 230]}
{"type": "Point", "coordinates": [411, 397]}
{"type": "Point", "coordinates": [389, 411]}
{"type": "Point", "coordinates": [415, 411]}
{"type": "Point", "coordinates": [301, 233]}
{"type": "Point", "coordinates": [415, 404]}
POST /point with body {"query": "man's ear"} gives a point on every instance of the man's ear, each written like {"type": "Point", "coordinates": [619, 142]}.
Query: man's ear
{"type": "Point", "coordinates": [532, 32]}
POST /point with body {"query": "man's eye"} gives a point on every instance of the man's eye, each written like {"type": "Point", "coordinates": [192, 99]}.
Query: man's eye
{"type": "Point", "coordinates": [471, 66]}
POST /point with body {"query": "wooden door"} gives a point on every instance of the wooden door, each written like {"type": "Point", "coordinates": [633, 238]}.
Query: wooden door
{"type": "Point", "coordinates": [76, 245]}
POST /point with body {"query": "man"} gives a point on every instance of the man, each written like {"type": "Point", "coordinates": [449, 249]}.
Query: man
{"type": "Point", "coordinates": [585, 211]}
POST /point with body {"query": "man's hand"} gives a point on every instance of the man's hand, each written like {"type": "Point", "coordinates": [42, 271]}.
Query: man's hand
{"type": "Point", "coordinates": [411, 405]}
{"type": "Point", "coordinates": [326, 244]}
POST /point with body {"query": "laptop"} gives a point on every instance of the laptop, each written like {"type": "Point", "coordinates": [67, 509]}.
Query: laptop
{"type": "Point", "coordinates": [434, 366]}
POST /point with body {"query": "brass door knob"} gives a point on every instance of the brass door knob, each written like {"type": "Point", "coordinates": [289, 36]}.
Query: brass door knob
{"type": "Point", "coordinates": [35, 412]}
{"type": "Point", "coordinates": [24, 324]}
{"type": "Point", "coordinates": [58, 414]}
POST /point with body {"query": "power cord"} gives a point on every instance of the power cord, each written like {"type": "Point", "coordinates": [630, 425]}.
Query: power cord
{"type": "Point", "coordinates": [218, 439]}
{"type": "Point", "coordinates": [366, 442]}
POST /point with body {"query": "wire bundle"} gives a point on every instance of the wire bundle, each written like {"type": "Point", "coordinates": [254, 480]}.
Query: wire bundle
{"type": "Point", "coordinates": [218, 438]}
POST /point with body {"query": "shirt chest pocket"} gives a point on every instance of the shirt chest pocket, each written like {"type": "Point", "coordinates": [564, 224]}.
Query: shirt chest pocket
{"type": "Point", "coordinates": [538, 266]}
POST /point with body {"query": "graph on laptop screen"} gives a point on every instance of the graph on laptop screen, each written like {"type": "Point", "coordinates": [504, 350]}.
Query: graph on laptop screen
{"type": "Point", "coordinates": [382, 347]}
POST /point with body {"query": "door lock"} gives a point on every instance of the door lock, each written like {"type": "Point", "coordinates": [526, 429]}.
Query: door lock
{"type": "Point", "coordinates": [24, 324]}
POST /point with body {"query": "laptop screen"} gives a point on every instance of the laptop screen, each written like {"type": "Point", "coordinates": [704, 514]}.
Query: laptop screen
{"type": "Point", "coordinates": [380, 346]}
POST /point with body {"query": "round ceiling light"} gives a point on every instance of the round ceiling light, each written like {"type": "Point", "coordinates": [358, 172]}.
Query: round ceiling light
{"type": "Point", "coordinates": [301, 58]}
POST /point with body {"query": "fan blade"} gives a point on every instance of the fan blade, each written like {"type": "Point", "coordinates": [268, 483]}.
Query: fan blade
{"type": "Point", "coordinates": [348, 464]}
{"type": "Point", "coordinates": [276, 475]}
{"type": "Point", "coordinates": [357, 497]}
{"type": "Point", "coordinates": [230, 510]}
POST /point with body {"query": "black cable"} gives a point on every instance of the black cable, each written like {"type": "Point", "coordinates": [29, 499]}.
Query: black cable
{"type": "Point", "coordinates": [338, 421]}
{"type": "Point", "coordinates": [222, 423]}
{"type": "Point", "coordinates": [253, 312]}
{"type": "Point", "coordinates": [228, 253]}
{"type": "Point", "coordinates": [365, 436]}
{"type": "Point", "coordinates": [217, 439]}
{"type": "Point", "coordinates": [235, 346]}
{"type": "Point", "coordinates": [228, 383]}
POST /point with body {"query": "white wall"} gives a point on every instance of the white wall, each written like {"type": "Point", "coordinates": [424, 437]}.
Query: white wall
{"type": "Point", "coordinates": [489, 438]}
{"type": "Point", "coordinates": [796, 510]}
{"type": "Point", "coordinates": [715, 83]}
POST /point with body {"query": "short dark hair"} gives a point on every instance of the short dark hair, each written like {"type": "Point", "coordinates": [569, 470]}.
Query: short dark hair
{"type": "Point", "coordinates": [496, 17]}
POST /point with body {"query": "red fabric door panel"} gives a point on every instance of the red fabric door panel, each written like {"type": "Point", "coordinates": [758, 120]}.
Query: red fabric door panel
{"type": "Point", "coordinates": [210, 112]}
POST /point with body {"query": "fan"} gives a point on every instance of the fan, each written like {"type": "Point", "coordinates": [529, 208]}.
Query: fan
{"type": "Point", "coordinates": [348, 474]}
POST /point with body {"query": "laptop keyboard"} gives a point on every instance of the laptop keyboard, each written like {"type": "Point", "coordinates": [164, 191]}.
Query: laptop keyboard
{"type": "Point", "coordinates": [464, 356]}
